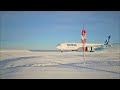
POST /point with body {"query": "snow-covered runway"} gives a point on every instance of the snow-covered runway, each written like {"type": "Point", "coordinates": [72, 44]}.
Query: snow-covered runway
{"type": "Point", "coordinates": [49, 65]}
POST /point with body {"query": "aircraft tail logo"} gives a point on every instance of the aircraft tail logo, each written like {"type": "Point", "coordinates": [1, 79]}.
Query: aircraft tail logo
{"type": "Point", "coordinates": [107, 41]}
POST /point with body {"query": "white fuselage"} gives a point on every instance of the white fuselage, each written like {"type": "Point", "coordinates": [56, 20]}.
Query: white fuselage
{"type": "Point", "coordinates": [75, 46]}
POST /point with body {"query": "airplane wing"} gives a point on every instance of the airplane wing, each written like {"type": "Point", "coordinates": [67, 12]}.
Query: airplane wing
{"type": "Point", "coordinates": [92, 47]}
{"type": "Point", "coordinates": [102, 46]}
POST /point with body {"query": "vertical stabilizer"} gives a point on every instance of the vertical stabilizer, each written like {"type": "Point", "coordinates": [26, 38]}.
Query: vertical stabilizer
{"type": "Point", "coordinates": [107, 41]}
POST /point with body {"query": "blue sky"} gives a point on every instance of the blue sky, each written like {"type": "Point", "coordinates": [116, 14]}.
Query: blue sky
{"type": "Point", "coordinates": [46, 29]}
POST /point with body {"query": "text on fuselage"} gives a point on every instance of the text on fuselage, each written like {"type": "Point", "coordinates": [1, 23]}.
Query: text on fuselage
{"type": "Point", "coordinates": [71, 44]}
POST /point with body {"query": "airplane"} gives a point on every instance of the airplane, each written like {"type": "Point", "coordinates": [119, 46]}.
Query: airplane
{"type": "Point", "coordinates": [89, 47]}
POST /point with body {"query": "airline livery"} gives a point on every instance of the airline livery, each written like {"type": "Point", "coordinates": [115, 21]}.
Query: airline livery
{"type": "Point", "coordinates": [89, 47]}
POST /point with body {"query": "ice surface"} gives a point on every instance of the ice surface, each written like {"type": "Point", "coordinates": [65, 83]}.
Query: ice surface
{"type": "Point", "coordinates": [104, 64]}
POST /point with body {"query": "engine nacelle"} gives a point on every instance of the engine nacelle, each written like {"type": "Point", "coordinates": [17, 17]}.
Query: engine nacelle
{"type": "Point", "coordinates": [85, 49]}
